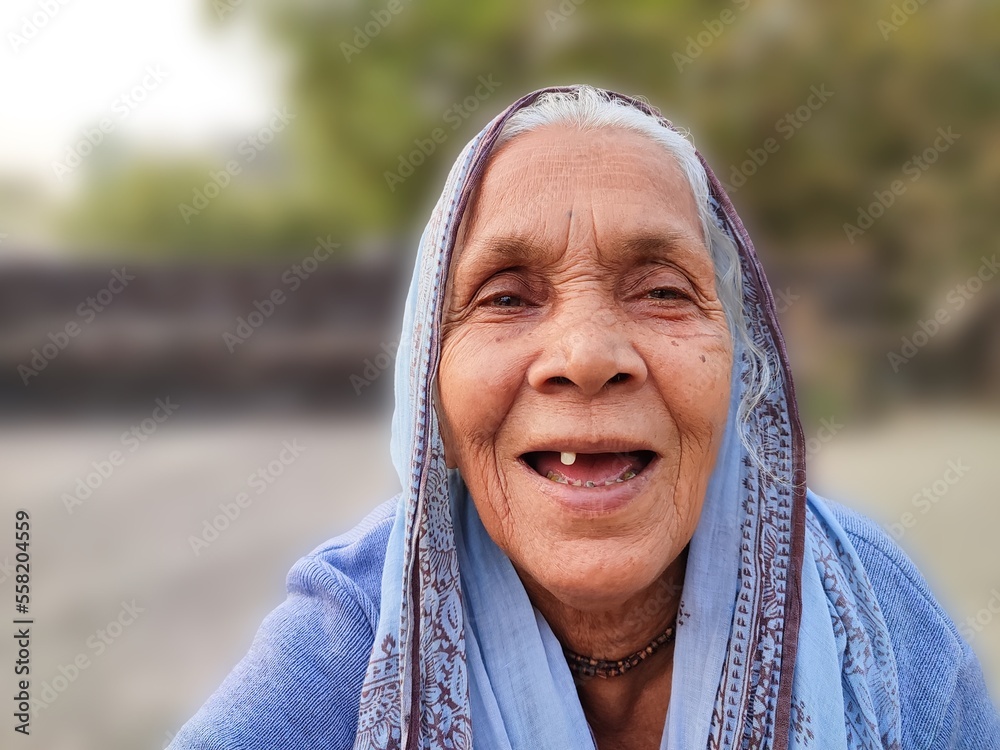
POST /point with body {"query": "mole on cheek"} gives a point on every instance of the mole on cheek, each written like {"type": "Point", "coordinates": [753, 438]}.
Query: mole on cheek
{"type": "Point", "coordinates": [703, 358]}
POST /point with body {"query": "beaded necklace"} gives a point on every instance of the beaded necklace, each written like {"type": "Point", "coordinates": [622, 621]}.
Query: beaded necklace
{"type": "Point", "coordinates": [588, 666]}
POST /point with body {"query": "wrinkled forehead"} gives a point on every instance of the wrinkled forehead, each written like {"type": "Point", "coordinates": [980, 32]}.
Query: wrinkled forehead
{"type": "Point", "coordinates": [537, 177]}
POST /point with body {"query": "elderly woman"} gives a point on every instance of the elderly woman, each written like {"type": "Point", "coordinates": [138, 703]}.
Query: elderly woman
{"type": "Point", "coordinates": [604, 537]}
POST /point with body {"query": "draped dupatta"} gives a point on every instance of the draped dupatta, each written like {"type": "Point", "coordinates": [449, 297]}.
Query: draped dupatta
{"type": "Point", "coordinates": [780, 642]}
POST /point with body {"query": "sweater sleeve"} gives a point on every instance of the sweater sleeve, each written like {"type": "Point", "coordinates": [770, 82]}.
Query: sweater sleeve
{"type": "Point", "coordinates": [945, 703]}
{"type": "Point", "coordinates": [300, 684]}
{"type": "Point", "coordinates": [970, 721]}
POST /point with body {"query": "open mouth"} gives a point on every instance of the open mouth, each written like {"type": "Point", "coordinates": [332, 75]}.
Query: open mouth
{"type": "Point", "coordinates": [589, 469]}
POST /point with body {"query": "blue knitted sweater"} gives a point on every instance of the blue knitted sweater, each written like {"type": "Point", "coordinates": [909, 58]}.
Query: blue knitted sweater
{"type": "Point", "coordinates": [299, 685]}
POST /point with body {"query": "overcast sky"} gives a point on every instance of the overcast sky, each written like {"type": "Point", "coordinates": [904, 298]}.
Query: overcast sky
{"type": "Point", "coordinates": [90, 53]}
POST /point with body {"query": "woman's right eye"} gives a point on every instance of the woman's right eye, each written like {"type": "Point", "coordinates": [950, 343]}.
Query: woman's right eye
{"type": "Point", "coordinates": [505, 300]}
{"type": "Point", "coordinates": [508, 290]}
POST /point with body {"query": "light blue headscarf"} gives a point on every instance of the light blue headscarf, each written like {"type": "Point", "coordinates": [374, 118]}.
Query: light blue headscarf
{"type": "Point", "coordinates": [780, 642]}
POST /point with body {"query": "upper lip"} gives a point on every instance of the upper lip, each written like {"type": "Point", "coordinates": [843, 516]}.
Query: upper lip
{"type": "Point", "coordinates": [582, 445]}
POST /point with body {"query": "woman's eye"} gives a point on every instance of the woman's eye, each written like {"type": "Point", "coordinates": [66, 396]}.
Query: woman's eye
{"type": "Point", "coordinates": [668, 293]}
{"type": "Point", "coordinates": [505, 300]}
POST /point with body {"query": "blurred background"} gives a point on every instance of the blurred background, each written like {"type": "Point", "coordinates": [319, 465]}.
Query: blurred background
{"type": "Point", "coordinates": [208, 210]}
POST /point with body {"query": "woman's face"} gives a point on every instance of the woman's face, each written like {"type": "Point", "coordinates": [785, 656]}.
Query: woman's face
{"type": "Point", "coordinates": [582, 318]}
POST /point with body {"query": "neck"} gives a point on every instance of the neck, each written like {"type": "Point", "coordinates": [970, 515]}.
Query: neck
{"type": "Point", "coordinates": [620, 630]}
{"type": "Point", "coordinates": [636, 700]}
{"type": "Point", "coordinates": [629, 711]}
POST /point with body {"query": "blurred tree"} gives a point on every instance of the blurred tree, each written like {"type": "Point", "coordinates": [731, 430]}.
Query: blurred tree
{"type": "Point", "coordinates": [370, 79]}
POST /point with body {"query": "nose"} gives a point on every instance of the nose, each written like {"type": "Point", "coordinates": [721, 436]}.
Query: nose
{"type": "Point", "coordinates": [587, 352]}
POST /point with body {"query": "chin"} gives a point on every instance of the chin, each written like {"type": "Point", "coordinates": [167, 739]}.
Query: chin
{"type": "Point", "coordinates": [603, 575]}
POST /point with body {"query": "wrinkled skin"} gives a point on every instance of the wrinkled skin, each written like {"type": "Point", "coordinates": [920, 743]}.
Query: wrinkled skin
{"type": "Point", "coordinates": [582, 313]}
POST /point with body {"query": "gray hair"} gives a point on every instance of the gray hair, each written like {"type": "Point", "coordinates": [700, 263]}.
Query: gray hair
{"type": "Point", "coordinates": [589, 108]}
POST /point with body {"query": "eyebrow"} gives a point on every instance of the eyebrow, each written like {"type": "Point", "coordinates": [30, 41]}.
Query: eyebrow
{"type": "Point", "coordinates": [503, 251]}
{"type": "Point", "coordinates": [654, 245]}
{"type": "Point", "coordinates": [515, 250]}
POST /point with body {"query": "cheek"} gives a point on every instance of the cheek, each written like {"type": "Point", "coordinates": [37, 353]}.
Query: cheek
{"type": "Point", "coordinates": [478, 379]}
{"type": "Point", "coordinates": [693, 377]}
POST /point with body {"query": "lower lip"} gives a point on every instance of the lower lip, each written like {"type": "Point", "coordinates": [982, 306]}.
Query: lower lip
{"type": "Point", "coordinates": [592, 501]}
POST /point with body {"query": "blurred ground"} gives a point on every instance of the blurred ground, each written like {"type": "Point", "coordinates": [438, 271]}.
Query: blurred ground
{"type": "Point", "coordinates": [132, 541]}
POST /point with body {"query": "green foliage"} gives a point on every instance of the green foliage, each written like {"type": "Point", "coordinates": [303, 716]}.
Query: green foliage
{"type": "Point", "coordinates": [728, 71]}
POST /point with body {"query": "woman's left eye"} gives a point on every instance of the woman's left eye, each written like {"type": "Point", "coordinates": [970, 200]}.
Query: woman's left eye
{"type": "Point", "coordinates": [668, 293]}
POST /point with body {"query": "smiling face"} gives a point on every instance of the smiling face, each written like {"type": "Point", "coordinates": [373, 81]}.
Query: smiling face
{"type": "Point", "coordinates": [582, 318]}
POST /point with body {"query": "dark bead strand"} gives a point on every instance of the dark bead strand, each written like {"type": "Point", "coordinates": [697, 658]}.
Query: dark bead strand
{"type": "Point", "coordinates": [587, 666]}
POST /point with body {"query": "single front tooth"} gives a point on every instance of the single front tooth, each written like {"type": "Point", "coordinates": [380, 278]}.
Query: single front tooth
{"type": "Point", "coordinates": [588, 483]}
{"type": "Point", "coordinates": [568, 459]}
